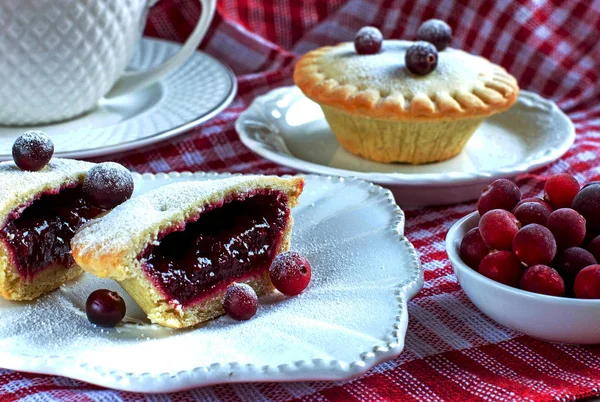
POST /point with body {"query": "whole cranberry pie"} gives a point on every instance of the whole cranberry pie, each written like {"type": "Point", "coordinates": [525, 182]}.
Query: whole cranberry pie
{"type": "Point", "coordinates": [400, 101]}
{"type": "Point", "coordinates": [177, 248]}
{"type": "Point", "coordinates": [40, 212]}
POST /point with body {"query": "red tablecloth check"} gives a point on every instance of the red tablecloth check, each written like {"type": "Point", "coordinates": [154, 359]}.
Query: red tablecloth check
{"type": "Point", "coordinates": [453, 352]}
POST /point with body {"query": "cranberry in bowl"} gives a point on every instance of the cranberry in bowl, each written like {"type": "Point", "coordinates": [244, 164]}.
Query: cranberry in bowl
{"type": "Point", "coordinates": [549, 318]}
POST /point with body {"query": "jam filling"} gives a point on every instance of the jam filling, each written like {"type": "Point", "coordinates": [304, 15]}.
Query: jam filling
{"type": "Point", "coordinates": [39, 235]}
{"type": "Point", "coordinates": [232, 240]}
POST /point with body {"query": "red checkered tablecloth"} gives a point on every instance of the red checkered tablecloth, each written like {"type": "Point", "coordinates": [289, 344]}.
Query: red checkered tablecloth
{"type": "Point", "coordinates": [452, 352]}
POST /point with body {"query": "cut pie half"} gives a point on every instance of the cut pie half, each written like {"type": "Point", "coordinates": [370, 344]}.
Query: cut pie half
{"type": "Point", "coordinates": [40, 212]}
{"type": "Point", "coordinates": [177, 248]}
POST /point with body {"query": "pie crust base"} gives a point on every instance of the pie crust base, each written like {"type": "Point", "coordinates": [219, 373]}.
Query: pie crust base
{"type": "Point", "coordinates": [16, 288]}
{"type": "Point", "coordinates": [410, 142]}
{"type": "Point", "coordinates": [109, 247]}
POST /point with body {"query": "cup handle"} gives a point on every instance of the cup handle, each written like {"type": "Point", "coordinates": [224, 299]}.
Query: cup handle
{"type": "Point", "coordinates": [130, 81]}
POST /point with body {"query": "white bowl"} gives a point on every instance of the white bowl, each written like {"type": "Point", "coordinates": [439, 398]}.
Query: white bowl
{"type": "Point", "coordinates": [549, 318]}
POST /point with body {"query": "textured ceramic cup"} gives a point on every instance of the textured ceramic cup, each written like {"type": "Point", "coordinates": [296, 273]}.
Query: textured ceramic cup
{"type": "Point", "coordinates": [60, 57]}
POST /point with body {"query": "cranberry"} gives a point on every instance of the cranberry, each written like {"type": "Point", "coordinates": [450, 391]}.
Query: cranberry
{"type": "Point", "coordinates": [568, 227]}
{"type": "Point", "coordinates": [498, 229]}
{"type": "Point", "coordinates": [108, 185]}
{"type": "Point", "coordinates": [594, 247]}
{"type": "Point", "coordinates": [573, 260]}
{"type": "Point", "coordinates": [587, 203]}
{"type": "Point", "coordinates": [503, 267]}
{"type": "Point", "coordinates": [532, 212]}
{"type": "Point", "coordinates": [534, 244]}
{"type": "Point", "coordinates": [368, 40]}
{"type": "Point", "coordinates": [436, 32]}
{"type": "Point", "coordinates": [587, 283]}
{"type": "Point", "coordinates": [290, 273]}
{"type": "Point", "coordinates": [592, 183]}
{"type": "Point", "coordinates": [500, 194]}
{"type": "Point", "coordinates": [105, 308]}
{"type": "Point", "coordinates": [473, 248]}
{"type": "Point", "coordinates": [240, 301]}
{"type": "Point", "coordinates": [561, 189]}
{"type": "Point", "coordinates": [544, 203]}
{"type": "Point", "coordinates": [544, 280]}
{"type": "Point", "coordinates": [421, 58]}
{"type": "Point", "coordinates": [32, 150]}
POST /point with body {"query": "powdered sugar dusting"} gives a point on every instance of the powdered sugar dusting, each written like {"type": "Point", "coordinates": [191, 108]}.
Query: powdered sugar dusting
{"type": "Point", "coordinates": [434, 28]}
{"type": "Point", "coordinates": [108, 185]}
{"type": "Point", "coordinates": [370, 33]}
{"type": "Point", "coordinates": [368, 40]}
{"type": "Point", "coordinates": [386, 72]}
{"type": "Point", "coordinates": [31, 140]}
{"type": "Point", "coordinates": [113, 175]}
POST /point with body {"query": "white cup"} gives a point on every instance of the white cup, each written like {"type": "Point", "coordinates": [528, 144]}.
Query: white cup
{"type": "Point", "coordinates": [58, 58]}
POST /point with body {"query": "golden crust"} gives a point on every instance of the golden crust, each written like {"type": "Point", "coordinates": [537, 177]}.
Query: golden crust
{"type": "Point", "coordinates": [466, 87]}
{"type": "Point", "coordinates": [15, 287]}
{"type": "Point", "coordinates": [108, 247]}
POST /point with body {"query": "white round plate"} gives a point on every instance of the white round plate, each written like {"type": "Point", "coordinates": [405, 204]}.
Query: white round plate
{"type": "Point", "coordinates": [288, 128]}
{"type": "Point", "coordinates": [185, 98]}
{"type": "Point", "coordinates": [352, 316]}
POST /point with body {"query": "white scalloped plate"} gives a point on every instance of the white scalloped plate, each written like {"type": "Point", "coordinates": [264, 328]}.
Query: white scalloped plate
{"type": "Point", "coordinates": [352, 316]}
{"type": "Point", "coordinates": [188, 96]}
{"type": "Point", "coordinates": [286, 127]}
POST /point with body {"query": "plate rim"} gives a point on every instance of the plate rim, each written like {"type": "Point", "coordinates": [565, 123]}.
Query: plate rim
{"type": "Point", "coordinates": [162, 135]}
{"type": "Point", "coordinates": [233, 372]}
{"type": "Point", "coordinates": [401, 179]}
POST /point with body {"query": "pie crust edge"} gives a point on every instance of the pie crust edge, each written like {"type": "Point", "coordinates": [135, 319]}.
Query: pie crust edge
{"type": "Point", "coordinates": [497, 94]}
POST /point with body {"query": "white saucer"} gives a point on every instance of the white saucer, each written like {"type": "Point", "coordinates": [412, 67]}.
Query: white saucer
{"type": "Point", "coordinates": [288, 128]}
{"type": "Point", "coordinates": [352, 316]}
{"type": "Point", "coordinates": [187, 97]}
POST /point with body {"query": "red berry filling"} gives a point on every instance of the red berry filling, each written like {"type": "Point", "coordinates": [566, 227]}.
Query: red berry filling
{"type": "Point", "coordinates": [229, 241]}
{"type": "Point", "coordinates": [38, 235]}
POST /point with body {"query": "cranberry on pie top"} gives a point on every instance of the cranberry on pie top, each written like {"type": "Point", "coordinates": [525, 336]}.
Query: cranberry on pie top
{"type": "Point", "coordinates": [381, 110]}
{"type": "Point", "coordinates": [32, 150]}
{"type": "Point", "coordinates": [177, 248]}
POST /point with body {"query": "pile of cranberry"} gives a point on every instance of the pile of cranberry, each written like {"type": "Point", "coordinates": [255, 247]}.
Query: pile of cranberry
{"type": "Point", "coordinates": [549, 246]}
